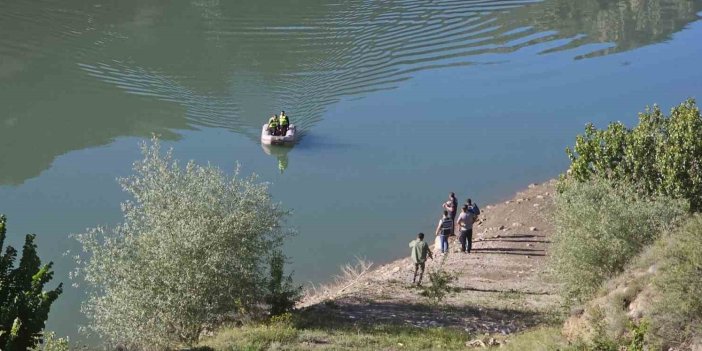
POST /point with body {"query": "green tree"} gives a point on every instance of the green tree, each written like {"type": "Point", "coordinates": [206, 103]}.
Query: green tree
{"type": "Point", "coordinates": [662, 155]}
{"type": "Point", "coordinates": [680, 159]}
{"type": "Point", "coordinates": [194, 250]}
{"type": "Point", "coordinates": [24, 306]}
{"type": "Point", "coordinates": [282, 293]}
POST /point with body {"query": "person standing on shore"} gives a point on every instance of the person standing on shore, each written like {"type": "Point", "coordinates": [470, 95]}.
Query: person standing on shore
{"type": "Point", "coordinates": [465, 223]}
{"type": "Point", "coordinates": [443, 230]}
{"type": "Point", "coordinates": [451, 206]}
{"type": "Point", "coordinates": [473, 208]}
{"type": "Point", "coordinates": [419, 252]}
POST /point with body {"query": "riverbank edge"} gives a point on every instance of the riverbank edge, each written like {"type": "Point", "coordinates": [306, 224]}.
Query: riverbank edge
{"type": "Point", "coordinates": [501, 295]}
{"type": "Point", "coordinates": [493, 221]}
{"type": "Point", "coordinates": [500, 292]}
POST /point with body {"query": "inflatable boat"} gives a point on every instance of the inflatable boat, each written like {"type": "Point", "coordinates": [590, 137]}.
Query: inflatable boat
{"type": "Point", "coordinates": [268, 139]}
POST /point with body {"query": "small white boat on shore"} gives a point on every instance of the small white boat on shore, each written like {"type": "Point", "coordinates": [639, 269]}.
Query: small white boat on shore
{"type": "Point", "coordinates": [288, 138]}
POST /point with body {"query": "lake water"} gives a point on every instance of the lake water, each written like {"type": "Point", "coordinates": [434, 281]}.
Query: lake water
{"type": "Point", "coordinates": [400, 102]}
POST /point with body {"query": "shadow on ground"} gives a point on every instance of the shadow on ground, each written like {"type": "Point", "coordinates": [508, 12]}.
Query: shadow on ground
{"type": "Point", "coordinates": [360, 315]}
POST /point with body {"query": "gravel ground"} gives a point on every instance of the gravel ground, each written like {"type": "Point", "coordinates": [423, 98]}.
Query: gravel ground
{"type": "Point", "coordinates": [501, 285]}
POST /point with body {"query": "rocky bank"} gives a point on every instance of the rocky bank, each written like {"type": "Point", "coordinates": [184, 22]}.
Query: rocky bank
{"type": "Point", "coordinates": [501, 285]}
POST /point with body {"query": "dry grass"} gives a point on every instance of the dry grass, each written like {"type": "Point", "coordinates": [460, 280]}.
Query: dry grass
{"type": "Point", "coordinates": [349, 276]}
{"type": "Point", "coordinates": [540, 339]}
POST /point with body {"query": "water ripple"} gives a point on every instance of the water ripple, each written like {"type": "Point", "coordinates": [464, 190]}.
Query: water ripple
{"type": "Point", "coordinates": [230, 64]}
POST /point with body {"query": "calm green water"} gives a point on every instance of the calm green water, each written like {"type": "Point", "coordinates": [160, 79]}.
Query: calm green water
{"type": "Point", "coordinates": [400, 102]}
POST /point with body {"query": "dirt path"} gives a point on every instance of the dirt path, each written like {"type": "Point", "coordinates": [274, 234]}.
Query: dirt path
{"type": "Point", "coordinates": [502, 288]}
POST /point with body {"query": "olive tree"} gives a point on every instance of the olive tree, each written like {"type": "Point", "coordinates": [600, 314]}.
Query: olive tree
{"type": "Point", "coordinates": [193, 249]}
{"type": "Point", "coordinates": [662, 155]}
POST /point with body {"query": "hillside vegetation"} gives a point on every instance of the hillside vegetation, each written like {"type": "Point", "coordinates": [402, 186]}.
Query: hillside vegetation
{"type": "Point", "coordinates": [628, 243]}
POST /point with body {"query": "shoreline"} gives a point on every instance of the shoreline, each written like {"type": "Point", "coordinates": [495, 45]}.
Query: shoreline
{"type": "Point", "coordinates": [430, 237]}
{"type": "Point", "coordinates": [501, 286]}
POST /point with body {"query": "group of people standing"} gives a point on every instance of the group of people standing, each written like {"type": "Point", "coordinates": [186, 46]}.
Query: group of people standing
{"type": "Point", "coordinates": [278, 125]}
{"type": "Point", "coordinates": [446, 227]}
{"type": "Point", "coordinates": [447, 223]}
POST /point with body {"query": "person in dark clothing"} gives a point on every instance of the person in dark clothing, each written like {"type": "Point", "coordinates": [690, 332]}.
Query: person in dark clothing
{"type": "Point", "coordinates": [473, 208]}
{"type": "Point", "coordinates": [443, 230]}
{"type": "Point", "coordinates": [451, 206]}
{"type": "Point", "coordinates": [465, 224]}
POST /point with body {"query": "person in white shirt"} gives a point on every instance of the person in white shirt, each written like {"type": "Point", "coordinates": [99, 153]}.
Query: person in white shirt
{"type": "Point", "coordinates": [465, 224]}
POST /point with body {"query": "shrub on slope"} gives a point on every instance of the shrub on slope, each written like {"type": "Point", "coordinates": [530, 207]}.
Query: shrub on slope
{"type": "Point", "coordinates": [600, 227]}
{"type": "Point", "coordinates": [678, 312]}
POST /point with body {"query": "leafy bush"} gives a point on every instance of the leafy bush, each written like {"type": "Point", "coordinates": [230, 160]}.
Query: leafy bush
{"type": "Point", "coordinates": [193, 251]}
{"type": "Point", "coordinates": [662, 155]}
{"type": "Point", "coordinates": [24, 306]}
{"type": "Point", "coordinates": [678, 312]}
{"type": "Point", "coordinates": [638, 336]}
{"type": "Point", "coordinates": [441, 284]}
{"type": "Point", "coordinates": [282, 294]}
{"type": "Point", "coordinates": [600, 227]}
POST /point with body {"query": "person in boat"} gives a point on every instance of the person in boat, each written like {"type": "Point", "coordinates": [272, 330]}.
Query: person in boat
{"type": "Point", "coordinates": [273, 125]}
{"type": "Point", "coordinates": [283, 122]}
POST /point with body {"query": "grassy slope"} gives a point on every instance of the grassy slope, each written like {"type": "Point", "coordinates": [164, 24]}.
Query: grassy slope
{"type": "Point", "coordinates": [382, 337]}
{"type": "Point", "coordinates": [283, 336]}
